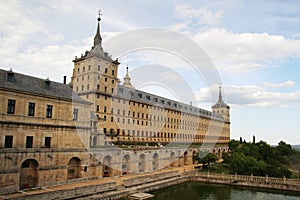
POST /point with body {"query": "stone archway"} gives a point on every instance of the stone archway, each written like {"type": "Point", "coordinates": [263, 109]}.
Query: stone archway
{"type": "Point", "coordinates": [107, 166]}
{"type": "Point", "coordinates": [29, 175]}
{"type": "Point", "coordinates": [155, 162]}
{"type": "Point", "coordinates": [172, 159]}
{"type": "Point", "coordinates": [125, 164]}
{"type": "Point", "coordinates": [142, 163]}
{"type": "Point", "coordinates": [74, 168]}
{"type": "Point", "coordinates": [185, 158]}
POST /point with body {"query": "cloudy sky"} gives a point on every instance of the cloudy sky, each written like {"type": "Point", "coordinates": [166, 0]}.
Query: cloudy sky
{"type": "Point", "coordinates": [254, 46]}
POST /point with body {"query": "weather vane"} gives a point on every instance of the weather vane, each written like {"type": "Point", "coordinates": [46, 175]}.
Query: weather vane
{"type": "Point", "coordinates": [99, 14]}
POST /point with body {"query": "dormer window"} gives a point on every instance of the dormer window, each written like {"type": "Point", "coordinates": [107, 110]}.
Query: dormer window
{"type": "Point", "coordinates": [47, 84]}
{"type": "Point", "coordinates": [10, 76]}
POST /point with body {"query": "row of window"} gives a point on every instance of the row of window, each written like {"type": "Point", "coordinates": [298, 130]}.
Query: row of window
{"type": "Point", "coordinates": [98, 68]}
{"type": "Point", "coordinates": [8, 141]}
{"type": "Point", "coordinates": [88, 77]}
{"type": "Point", "coordinates": [11, 106]}
{"type": "Point", "coordinates": [155, 117]}
{"type": "Point", "coordinates": [98, 88]}
{"type": "Point", "coordinates": [158, 108]}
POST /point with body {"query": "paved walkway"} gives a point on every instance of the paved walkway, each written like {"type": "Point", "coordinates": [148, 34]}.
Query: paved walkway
{"type": "Point", "coordinates": [117, 179]}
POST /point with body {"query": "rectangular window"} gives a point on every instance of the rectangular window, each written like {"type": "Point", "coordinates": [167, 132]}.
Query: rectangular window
{"type": "Point", "coordinates": [75, 114]}
{"type": "Point", "coordinates": [98, 67]}
{"type": "Point", "coordinates": [11, 106]}
{"type": "Point", "coordinates": [104, 109]}
{"type": "Point", "coordinates": [8, 141]}
{"type": "Point", "coordinates": [49, 111]}
{"type": "Point", "coordinates": [113, 72]}
{"type": "Point", "coordinates": [47, 142]}
{"type": "Point", "coordinates": [31, 107]}
{"type": "Point", "coordinates": [105, 70]}
{"type": "Point", "coordinates": [29, 141]}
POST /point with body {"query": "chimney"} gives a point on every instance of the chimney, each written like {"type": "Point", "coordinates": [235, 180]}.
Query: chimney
{"type": "Point", "coordinates": [65, 79]}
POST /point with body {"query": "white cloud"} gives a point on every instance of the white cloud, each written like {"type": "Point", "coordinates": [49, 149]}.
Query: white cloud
{"type": "Point", "coordinates": [286, 84]}
{"type": "Point", "coordinates": [253, 96]}
{"type": "Point", "coordinates": [201, 15]}
{"type": "Point", "coordinates": [246, 51]}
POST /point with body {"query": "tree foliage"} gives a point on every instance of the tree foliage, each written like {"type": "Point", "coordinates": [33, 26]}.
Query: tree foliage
{"type": "Point", "coordinates": [260, 158]}
{"type": "Point", "coordinates": [205, 158]}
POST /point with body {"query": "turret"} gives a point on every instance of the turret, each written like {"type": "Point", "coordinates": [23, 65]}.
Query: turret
{"type": "Point", "coordinates": [126, 82]}
{"type": "Point", "coordinates": [222, 108]}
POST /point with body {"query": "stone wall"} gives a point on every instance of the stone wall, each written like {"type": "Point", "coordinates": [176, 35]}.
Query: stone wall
{"type": "Point", "coordinates": [72, 193]}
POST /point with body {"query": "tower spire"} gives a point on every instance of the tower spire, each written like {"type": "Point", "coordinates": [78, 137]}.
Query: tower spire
{"type": "Point", "coordinates": [98, 38]}
{"type": "Point", "coordinates": [220, 94]}
{"type": "Point", "coordinates": [127, 79]}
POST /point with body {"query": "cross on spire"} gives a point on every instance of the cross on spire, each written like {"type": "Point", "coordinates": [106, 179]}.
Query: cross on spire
{"type": "Point", "coordinates": [99, 15]}
{"type": "Point", "coordinates": [98, 38]}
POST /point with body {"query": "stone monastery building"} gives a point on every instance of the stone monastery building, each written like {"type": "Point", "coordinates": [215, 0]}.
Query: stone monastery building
{"type": "Point", "coordinates": [52, 133]}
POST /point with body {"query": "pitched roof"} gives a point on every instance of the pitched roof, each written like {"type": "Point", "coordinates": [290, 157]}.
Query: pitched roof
{"type": "Point", "coordinates": [36, 86]}
{"type": "Point", "coordinates": [151, 99]}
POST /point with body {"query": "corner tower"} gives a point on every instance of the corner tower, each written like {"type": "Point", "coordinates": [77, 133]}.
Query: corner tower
{"type": "Point", "coordinates": [222, 108]}
{"type": "Point", "coordinates": [95, 72]}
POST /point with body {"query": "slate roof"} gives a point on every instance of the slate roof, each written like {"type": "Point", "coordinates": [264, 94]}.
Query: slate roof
{"type": "Point", "coordinates": [37, 86]}
{"type": "Point", "coordinates": [151, 99]}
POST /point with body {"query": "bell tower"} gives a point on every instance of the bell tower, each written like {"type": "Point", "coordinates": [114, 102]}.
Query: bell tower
{"type": "Point", "coordinates": [95, 72]}
{"type": "Point", "coordinates": [222, 108]}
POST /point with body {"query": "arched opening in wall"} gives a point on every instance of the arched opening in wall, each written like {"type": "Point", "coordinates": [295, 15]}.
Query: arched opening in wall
{"type": "Point", "coordinates": [107, 166]}
{"type": "Point", "coordinates": [155, 162]}
{"type": "Point", "coordinates": [172, 159]}
{"type": "Point", "coordinates": [214, 151]}
{"type": "Point", "coordinates": [185, 158]}
{"type": "Point", "coordinates": [194, 156]}
{"type": "Point", "coordinates": [125, 164]}
{"type": "Point", "coordinates": [95, 141]}
{"type": "Point", "coordinates": [29, 175]}
{"type": "Point", "coordinates": [74, 168]}
{"type": "Point", "coordinates": [142, 163]}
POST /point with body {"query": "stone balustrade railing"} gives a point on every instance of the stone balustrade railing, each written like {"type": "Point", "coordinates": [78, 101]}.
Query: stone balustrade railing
{"type": "Point", "coordinates": [269, 182]}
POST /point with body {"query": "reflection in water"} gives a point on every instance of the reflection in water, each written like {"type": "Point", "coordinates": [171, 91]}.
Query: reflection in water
{"type": "Point", "coordinates": [199, 191]}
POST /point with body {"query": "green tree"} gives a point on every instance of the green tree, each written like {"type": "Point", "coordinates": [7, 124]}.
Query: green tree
{"type": "Point", "coordinates": [206, 158]}
{"type": "Point", "coordinates": [233, 145]}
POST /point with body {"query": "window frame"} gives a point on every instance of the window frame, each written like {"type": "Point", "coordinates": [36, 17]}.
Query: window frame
{"type": "Point", "coordinates": [11, 106]}
{"type": "Point", "coordinates": [8, 141]}
{"type": "Point", "coordinates": [49, 111]}
{"type": "Point", "coordinates": [31, 109]}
